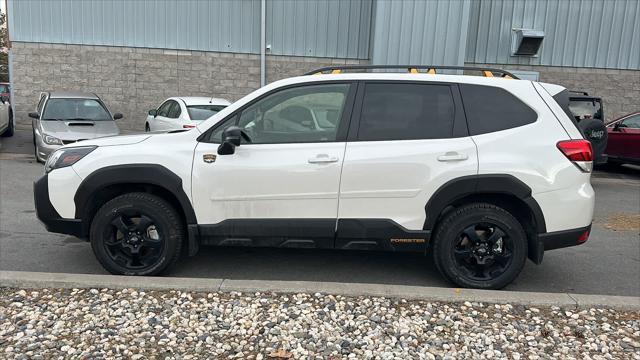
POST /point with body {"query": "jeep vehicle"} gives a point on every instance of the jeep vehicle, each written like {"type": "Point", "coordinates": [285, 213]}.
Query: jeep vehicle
{"type": "Point", "coordinates": [589, 114]}
{"type": "Point", "coordinates": [479, 172]}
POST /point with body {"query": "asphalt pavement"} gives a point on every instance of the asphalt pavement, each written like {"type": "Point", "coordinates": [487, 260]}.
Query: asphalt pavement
{"type": "Point", "coordinates": [609, 263]}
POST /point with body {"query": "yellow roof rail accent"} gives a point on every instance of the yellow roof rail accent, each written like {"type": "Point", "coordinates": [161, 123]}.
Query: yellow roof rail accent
{"type": "Point", "coordinates": [412, 68]}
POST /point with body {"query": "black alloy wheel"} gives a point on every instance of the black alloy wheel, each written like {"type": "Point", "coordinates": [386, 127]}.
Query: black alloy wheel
{"type": "Point", "coordinates": [480, 246]}
{"type": "Point", "coordinates": [134, 241]}
{"type": "Point", "coordinates": [137, 234]}
{"type": "Point", "coordinates": [483, 251]}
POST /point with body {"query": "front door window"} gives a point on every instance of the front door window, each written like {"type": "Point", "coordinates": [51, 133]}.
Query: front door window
{"type": "Point", "coordinates": [297, 115]}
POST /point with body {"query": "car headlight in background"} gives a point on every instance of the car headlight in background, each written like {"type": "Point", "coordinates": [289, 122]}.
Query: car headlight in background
{"type": "Point", "coordinates": [66, 157]}
{"type": "Point", "coordinates": [51, 140]}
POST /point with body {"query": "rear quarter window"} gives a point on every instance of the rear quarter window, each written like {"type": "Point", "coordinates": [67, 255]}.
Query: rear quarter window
{"type": "Point", "coordinates": [490, 109]}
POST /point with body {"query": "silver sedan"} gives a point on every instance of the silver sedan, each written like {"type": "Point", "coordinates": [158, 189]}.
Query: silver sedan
{"type": "Point", "coordinates": [64, 117]}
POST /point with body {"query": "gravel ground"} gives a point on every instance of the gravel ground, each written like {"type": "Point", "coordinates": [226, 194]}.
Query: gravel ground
{"type": "Point", "coordinates": [101, 323]}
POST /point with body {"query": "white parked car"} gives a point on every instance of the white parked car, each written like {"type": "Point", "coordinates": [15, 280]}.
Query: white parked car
{"type": "Point", "coordinates": [7, 123]}
{"type": "Point", "coordinates": [184, 112]}
{"type": "Point", "coordinates": [479, 172]}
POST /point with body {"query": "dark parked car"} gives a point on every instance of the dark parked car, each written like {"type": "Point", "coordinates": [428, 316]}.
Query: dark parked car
{"type": "Point", "coordinates": [589, 115]}
{"type": "Point", "coordinates": [624, 139]}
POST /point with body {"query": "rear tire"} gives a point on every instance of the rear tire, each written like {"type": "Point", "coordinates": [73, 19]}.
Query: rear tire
{"type": "Point", "coordinates": [480, 246]}
{"type": "Point", "coordinates": [137, 234]}
{"type": "Point", "coordinates": [596, 132]}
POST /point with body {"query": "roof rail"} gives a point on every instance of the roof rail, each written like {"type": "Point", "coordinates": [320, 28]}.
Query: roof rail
{"type": "Point", "coordinates": [414, 69]}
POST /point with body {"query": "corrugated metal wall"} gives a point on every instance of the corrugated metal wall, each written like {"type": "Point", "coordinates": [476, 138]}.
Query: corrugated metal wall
{"type": "Point", "coordinates": [323, 28]}
{"type": "Point", "coordinates": [420, 32]}
{"type": "Point", "coordinates": [222, 25]}
{"type": "Point", "coordinates": [580, 33]}
{"type": "Point", "coordinates": [311, 27]}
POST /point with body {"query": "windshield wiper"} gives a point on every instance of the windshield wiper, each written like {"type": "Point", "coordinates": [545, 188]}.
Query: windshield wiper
{"type": "Point", "coordinates": [79, 119]}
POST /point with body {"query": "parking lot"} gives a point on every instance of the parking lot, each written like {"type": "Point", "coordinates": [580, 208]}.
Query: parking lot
{"type": "Point", "coordinates": [609, 263]}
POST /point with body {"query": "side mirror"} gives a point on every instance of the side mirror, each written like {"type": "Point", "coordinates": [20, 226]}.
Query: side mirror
{"type": "Point", "coordinates": [153, 112]}
{"type": "Point", "coordinates": [231, 137]}
{"type": "Point", "coordinates": [34, 115]}
{"type": "Point", "coordinates": [117, 116]}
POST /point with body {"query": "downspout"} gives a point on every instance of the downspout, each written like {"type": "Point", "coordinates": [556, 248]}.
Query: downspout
{"type": "Point", "coordinates": [263, 42]}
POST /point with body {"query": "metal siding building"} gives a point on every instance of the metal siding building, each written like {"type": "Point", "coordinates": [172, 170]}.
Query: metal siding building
{"type": "Point", "coordinates": [319, 28]}
{"type": "Point", "coordinates": [420, 32]}
{"type": "Point", "coordinates": [578, 33]}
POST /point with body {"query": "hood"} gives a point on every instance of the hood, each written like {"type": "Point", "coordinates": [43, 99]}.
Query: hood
{"type": "Point", "coordinates": [116, 140]}
{"type": "Point", "coordinates": [79, 130]}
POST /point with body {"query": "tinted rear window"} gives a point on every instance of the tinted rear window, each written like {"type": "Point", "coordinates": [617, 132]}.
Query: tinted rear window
{"type": "Point", "coordinates": [562, 98]}
{"type": "Point", "coordinates": [406, 112]}
{"type": "Point", "coordinates": [492, 109]}
{"type": "Point", "coordinates": [203, 112]}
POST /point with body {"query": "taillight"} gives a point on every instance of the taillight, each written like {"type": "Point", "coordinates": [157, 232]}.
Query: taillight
{"type": "Point", "coordinates": [579, 152]}
{"type": "Point", "coordinates": [583, 237]}
{"type": "Point", "coordinates": [188, 126]}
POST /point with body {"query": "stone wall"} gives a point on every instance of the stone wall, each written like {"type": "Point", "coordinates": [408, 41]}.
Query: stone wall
{"type": "Point", "coordinates": [619, 89]}
{"type": "Point", "coordinates": [134, 80]}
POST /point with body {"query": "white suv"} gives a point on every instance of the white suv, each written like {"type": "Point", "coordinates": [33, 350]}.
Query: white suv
{"type": "Point", "coordinates": [480, 172]}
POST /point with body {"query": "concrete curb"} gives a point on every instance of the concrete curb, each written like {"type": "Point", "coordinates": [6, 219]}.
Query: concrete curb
{"type": "Point", "coordinates": [20, 279]}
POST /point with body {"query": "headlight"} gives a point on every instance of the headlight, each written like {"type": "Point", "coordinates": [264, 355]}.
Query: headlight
{"type": "Point", "coordinates": [66, 157]}
{"type": "Point", "coordinates": [51, 140]}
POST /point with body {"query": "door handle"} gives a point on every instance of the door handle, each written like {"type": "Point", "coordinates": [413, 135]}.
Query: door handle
{"type": "Point", "coordinates": [322, 159]}
{"type": "Point", "coordinates": [452, 156]}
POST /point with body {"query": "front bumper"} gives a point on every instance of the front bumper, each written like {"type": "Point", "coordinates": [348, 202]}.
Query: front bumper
{"type": "Point", "coordinates": [44, 149]}
{"type": "Point", "coordinates": [48, 215]}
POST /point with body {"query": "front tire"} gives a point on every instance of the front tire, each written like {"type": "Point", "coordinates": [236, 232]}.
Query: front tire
{"type": "Point", "coordinates": [147, 128]}
{"type": "Point", "coordinates": [480, 246]}
{"type": "Point", "coordinates": [137, 234]}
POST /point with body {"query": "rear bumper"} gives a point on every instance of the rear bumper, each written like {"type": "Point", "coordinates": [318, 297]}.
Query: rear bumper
{"type": "Point", "coordinates": [48, 215]}
{"type": "Point", "coordinates": [557, 240]}
{"type": "Point", "coordinates": [566, 238]}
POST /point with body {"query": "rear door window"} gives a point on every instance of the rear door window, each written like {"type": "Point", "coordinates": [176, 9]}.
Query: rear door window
{"type": "Point", "coordinates": [406, 111]}
{"type": "Point", "coordinates": [163, 110]}
{"type": "Point", "coordinates": [174, 110]}
{"type": "Point", "coordinates": [491, 109]}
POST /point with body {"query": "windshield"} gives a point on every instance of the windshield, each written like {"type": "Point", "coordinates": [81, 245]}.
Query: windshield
{"type": "Point", "coordinates": [4, 88]}
{"type": "Point", "coordinates": [75, 109]}
{"type": "Point", "coordinates": [585, 109]}
{"type": "Point", "coordinates": [203, 112]}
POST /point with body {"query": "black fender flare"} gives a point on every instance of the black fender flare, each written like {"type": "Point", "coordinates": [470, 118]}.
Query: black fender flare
{"type": "Point", "coordinates": [139, 174]}
{"type": "Point", "coordinates": [503, 184]}
{"type": "Point", "coordinates": [459, 188]}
